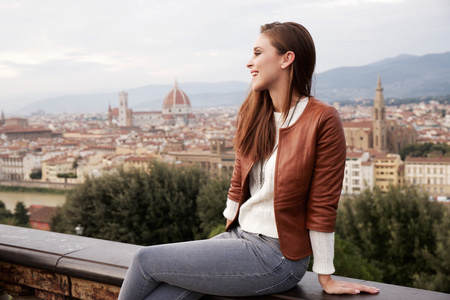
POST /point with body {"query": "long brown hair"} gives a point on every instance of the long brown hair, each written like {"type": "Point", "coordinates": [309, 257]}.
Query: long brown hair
{"type": "Point", "coordinates": [255, 135]}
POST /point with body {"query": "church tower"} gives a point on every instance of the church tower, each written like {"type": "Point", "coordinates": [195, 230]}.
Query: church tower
{"type": "Point", "coordinates": [124, 112]}
{"type": "Point", "coordinates": [379, 120]}
{"type": "Point", "coordinates": [110, 124]}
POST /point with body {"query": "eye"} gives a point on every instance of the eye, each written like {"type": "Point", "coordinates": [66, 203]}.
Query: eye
{"type": "Point", "coordinates": [256, 53]}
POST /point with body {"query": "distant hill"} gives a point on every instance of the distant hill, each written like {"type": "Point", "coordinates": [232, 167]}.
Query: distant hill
{"type": "Point", "coordinates": [149, 97]}
{"type": "Point", "coordinates": [401, 76]}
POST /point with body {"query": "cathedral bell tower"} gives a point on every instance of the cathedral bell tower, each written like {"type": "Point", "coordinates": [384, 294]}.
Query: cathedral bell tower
{"type": "Point", "coordinates": [124, 112]}
{"type": "Point", "coordinates": [379, 120]}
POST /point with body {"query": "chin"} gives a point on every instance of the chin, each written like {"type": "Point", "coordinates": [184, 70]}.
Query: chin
{"type": "Point", "coordinates": [257, 88]}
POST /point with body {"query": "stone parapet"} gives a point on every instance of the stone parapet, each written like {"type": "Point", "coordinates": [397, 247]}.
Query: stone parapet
{"type": "Point", "coordinates": [37, 264]}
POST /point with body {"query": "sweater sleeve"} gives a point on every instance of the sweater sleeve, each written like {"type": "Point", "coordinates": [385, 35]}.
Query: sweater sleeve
{"type": "Point", "coordinates": [231, 209]}
{"type": "Point", "coordinates": [323, 250]}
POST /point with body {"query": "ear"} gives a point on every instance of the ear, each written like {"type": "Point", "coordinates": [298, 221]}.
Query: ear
{"type": "Point", "coordinates": [288, 59]}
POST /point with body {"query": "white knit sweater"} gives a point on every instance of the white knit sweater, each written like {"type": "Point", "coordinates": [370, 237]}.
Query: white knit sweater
{"type": "Point", "coordinates": [257, 214]}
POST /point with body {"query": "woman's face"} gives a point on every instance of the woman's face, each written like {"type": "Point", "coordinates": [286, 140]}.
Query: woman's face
{"type": "Point", "coordinates": [265, 65]}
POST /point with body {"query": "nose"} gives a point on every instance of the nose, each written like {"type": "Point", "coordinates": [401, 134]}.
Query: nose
{"type": "Point", "coordinates": [250, 64]}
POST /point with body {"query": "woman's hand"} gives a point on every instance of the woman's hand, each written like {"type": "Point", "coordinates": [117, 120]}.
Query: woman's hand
{"type": "Point", "coordinates": [331, 286]}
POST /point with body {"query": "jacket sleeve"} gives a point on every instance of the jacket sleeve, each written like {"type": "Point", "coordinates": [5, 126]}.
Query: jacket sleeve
{"type": "Point", "coordinates": [328, 172]}
{"type": "Point", "coordinates": [234, 193]}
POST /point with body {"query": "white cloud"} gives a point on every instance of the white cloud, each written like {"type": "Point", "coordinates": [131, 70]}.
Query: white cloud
{"type": "Point", "coordinates": [49, 44]}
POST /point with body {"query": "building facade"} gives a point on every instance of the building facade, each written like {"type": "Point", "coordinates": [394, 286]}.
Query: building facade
{"type": "Point", "coordinates": [358, 174]}
{"type": "Point", "coordinates": [218, 161]}
{"type": "Point", "coordinates": [388, 170]}
{"type": "Point", "coordinates": [432, 174]}
{"type": "Point", "coordinates": [176, 110]}
{"type": "Point", "coordinates": [380, 134]}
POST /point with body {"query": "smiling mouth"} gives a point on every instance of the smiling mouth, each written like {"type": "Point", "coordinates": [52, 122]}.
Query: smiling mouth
{"type": "Point", "coordinates": [254, 74]}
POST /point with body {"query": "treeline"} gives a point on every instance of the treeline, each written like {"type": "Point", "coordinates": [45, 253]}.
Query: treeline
{"type": "Point", "coordinates": [168, 204]}
{"type": "Point", "coordinates": [18, 218]}
{"type": "Point", "coordinates": [425, 150]}
{"type": "Point", "coordinates": [398, 237]}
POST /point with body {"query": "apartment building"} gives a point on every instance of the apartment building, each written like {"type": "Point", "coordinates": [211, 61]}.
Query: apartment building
{"type": "Point", "coordinates": [433, 174]}
{"type": "Point", "coordinates": [359, 173]}
{"type": "Point", "coordinates": [388, 169]}
{"type": "Point", "coordinates": [219, 160]}
{"type": "Point", "coordinates": [11, 166]}
{"type": "Point", "coordinates": [58, 165]}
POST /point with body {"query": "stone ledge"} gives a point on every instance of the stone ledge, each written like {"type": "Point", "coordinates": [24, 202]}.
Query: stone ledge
{"type": "Point", "coordinates": [60, 266]}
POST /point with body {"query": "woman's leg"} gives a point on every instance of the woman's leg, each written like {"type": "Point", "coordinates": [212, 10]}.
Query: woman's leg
{"type": "Point", "coordinates": [234, 263]}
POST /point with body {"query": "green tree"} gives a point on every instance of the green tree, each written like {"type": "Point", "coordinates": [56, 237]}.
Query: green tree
{"type": "Point", "coordinates": [393, 230]}
{"type": "Point", "coordinates": [211, 202]}
{"type": "Point", "coordinates": [37, 174]}
{"type": "Point", "coordinates": [439, 279]}
{"type": "Point", "coordinates": [20, 215]}
{"type": "Point", "coordinates": [5, 214]}
{"type": "Point", "coordinates": [135, 207]}
{"type": "Point", "coordinates": [425, 150]}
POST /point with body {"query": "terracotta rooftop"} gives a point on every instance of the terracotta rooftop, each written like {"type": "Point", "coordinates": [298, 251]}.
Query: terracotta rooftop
{"type": "Point", "coordinates": [41, 213]}
{"type": "Point", "coordinates": [428, 159]}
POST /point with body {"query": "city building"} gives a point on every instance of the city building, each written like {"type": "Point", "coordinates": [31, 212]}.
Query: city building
{"type": "Point", "coordinates": [359, 173]}
{"type": "Point", "coordinates": [176, 111]}
{"type": "Point", "coordinates": [27, 133]}
{"type": "Point", "coordinates": [40, 216]}
{"type": "Point", "coordinates": [16, 122]}
{"type": "Point", "coordinates": [12, 166]}
{"type": "Point", "coordinates": [141, 162]}
{"type": "Point", "coordinates": [432, 174]}
{"type": "Point", "coordinates": [388, 170]}
{"type": "Point", "coordinates": [380, 134]}
{"type": "Point", "coordinates": [219, 160]}
{"type": "Point", "coordinates": [53, 167]}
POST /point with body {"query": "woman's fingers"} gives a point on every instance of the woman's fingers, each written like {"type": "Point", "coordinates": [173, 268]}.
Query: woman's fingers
{"type": "Point", "coordinates": [343, 287]}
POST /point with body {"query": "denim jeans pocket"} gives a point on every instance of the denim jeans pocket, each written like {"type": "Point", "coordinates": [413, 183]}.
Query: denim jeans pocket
{"type": "Point", "coordinates": [285, 284]}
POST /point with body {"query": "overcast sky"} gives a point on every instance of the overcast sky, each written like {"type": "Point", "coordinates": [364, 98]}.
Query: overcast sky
{"type": "Point", "coordinates": [52, 48]}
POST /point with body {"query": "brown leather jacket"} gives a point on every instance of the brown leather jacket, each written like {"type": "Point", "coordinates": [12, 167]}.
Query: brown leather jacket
{"type": "Point", "coordinates": [309, 171]}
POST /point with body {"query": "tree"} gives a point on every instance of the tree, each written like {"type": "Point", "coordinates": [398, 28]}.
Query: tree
{"type": "Point", "coordinates": [19, 218]}
{"type": "Point", "coordinates": [5, 214]}
{"type": "Point", "coordinates": [36, 174]}
{"type": "Point", "coordinates": [20, 215]}
{"type": "Point", "coordinates": [439, 279]}
{"type": "Point", "coordinates": [134, 206]}
{"type": "Point", "coordinates": [211, 202]}
{"type": "Point", "coordinates": [425, 150]}
{"type": "Point", "coordinates": [393, 230]}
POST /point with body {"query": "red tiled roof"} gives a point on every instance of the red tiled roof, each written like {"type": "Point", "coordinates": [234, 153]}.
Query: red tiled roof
{"type": "Point", "coordinates": [176, 97]}
{"type": "Point", "coordinates": [363, 124]}
{"type": "Point", "coordinates": [428, 159]}
{"type": "Point", "coordinates": [41, 213]}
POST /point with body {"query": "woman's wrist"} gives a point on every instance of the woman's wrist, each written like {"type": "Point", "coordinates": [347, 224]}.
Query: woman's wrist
{"type": "Point", "coordinates": [324, 279]}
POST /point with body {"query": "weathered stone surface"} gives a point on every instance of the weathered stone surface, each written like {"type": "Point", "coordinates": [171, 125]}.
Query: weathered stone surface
{"type": "Point", "coordinates": [17, 289]}
{"type": "Point", "coordinates": [34, 278]}
{"type": "Point", "coordinates": [49, 296]}
{"type": "Point", "coordinates": [89, 290]}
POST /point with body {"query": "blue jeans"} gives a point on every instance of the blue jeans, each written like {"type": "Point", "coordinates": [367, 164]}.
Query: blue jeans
{"type": "Point", "coordinates": [235, 263]}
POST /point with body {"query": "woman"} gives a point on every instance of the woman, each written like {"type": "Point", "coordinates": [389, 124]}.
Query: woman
{"type": "Point", "coordinates": [281, 207]}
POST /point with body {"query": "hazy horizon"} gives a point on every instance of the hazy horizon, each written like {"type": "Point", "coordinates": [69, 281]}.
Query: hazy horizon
{"type": "Point", "coordinates": [53, 48]}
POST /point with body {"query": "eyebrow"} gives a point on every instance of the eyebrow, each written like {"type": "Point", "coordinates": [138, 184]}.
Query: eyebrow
{"type": "Point", "coordinates": [256, 48]}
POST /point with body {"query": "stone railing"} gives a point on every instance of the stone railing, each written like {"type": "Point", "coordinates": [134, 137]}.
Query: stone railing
{"type": "Point", "coordinates": [38, 264]}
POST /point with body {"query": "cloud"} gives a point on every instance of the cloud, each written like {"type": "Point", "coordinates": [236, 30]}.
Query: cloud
{"type": "Point", "coordinates": [84, 46]}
